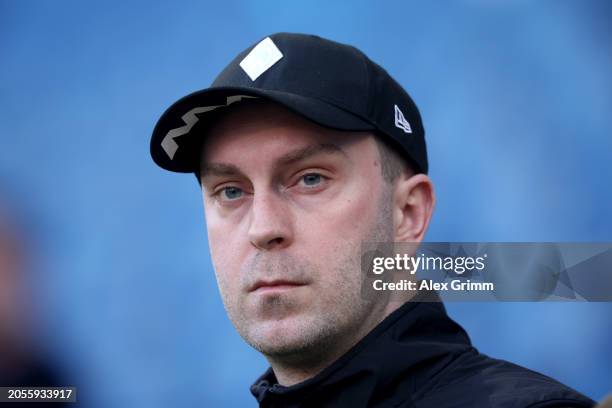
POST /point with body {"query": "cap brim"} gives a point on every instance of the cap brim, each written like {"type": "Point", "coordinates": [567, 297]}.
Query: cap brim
{"type": "Point", "coordinates": [173, 143]}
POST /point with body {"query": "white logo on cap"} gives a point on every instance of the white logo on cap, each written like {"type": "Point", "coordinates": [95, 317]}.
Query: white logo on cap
{"type": "Point", "coordinates": [261, 58]}
{"type": "Point", "coordinates": [190, 118]}
{"type": "Point", "coordinates": [400, 121]}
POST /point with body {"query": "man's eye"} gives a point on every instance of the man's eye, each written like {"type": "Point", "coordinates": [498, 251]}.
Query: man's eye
{"type": "Point", "coordinates": [231, 193]}
{"type": "Point", "coordinates": [312, 179]}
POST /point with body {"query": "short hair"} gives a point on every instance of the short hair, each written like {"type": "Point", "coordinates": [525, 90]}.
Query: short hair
{"type": "Point", "coordinates": [392, 164]}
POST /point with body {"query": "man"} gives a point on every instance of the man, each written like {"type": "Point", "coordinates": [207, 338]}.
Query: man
{"type": "Point", "coordinates": [305, 149]}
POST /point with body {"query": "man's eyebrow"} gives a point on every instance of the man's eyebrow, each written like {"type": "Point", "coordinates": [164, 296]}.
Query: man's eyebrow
{"type": "Point", "coordinates": [309, 151]}
{"type": "Point", "coordinates": [219, 169]}
{"type": "Point", "coordinates": [224, 169]}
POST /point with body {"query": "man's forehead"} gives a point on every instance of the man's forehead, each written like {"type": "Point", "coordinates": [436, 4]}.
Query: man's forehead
{"type": "Point", "coordinates": [252, 124]}
{"type": "Point", "coordinates": [255, 112]}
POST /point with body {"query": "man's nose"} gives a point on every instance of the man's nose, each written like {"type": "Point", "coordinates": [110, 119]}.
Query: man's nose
{"type": "Point", "coordinates": [270, 222]}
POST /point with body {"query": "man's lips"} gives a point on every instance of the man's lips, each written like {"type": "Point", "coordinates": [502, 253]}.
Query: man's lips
{"type": "Point", "coordinates": [277, 284]}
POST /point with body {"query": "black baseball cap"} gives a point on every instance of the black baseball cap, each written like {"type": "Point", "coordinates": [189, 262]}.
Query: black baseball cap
{"type": "Point", "coordinates": [332, 84]}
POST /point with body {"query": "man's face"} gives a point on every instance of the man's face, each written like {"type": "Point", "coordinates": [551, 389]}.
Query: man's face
{"type": "Point", "coordinates": [288, 204]}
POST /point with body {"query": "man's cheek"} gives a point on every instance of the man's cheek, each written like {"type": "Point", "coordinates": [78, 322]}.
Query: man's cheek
{"type": "Point", "coordinates": [223, 269]}
{"type": "Point", "coordinates": [221, 273]}
{"type": "Point", "coordinates": [229, 291]}
{"type": "Point", "coordinates": [220, 251]}
{"type": "Point", "coordinates": [357, 204]}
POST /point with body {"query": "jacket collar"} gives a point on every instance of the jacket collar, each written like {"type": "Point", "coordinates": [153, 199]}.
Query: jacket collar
{"type": "Point", "coordinates": [398, 348]}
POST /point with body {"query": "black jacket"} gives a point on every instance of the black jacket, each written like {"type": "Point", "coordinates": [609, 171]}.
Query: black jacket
{"type": "Point", "coordinates": [419, 357]}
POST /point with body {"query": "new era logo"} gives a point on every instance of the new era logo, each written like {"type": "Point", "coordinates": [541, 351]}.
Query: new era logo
{"type": "Point", "coordinates": [400, 121]}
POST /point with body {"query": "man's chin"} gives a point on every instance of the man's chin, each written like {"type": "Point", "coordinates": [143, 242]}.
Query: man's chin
{"type": "Point", "coordinates": [283, 338]}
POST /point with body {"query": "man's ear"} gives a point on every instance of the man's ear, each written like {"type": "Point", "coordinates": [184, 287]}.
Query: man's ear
{"type": "Point", "coordinates": [413, 203]}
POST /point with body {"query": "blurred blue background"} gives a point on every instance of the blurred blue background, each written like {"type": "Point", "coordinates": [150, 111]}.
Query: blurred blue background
{"type": "Point", "coordinates": [516, 98]}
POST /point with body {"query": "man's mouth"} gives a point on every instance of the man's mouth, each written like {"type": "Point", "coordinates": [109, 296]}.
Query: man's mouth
{"type": "Point", "coordinates": [274, 285]}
